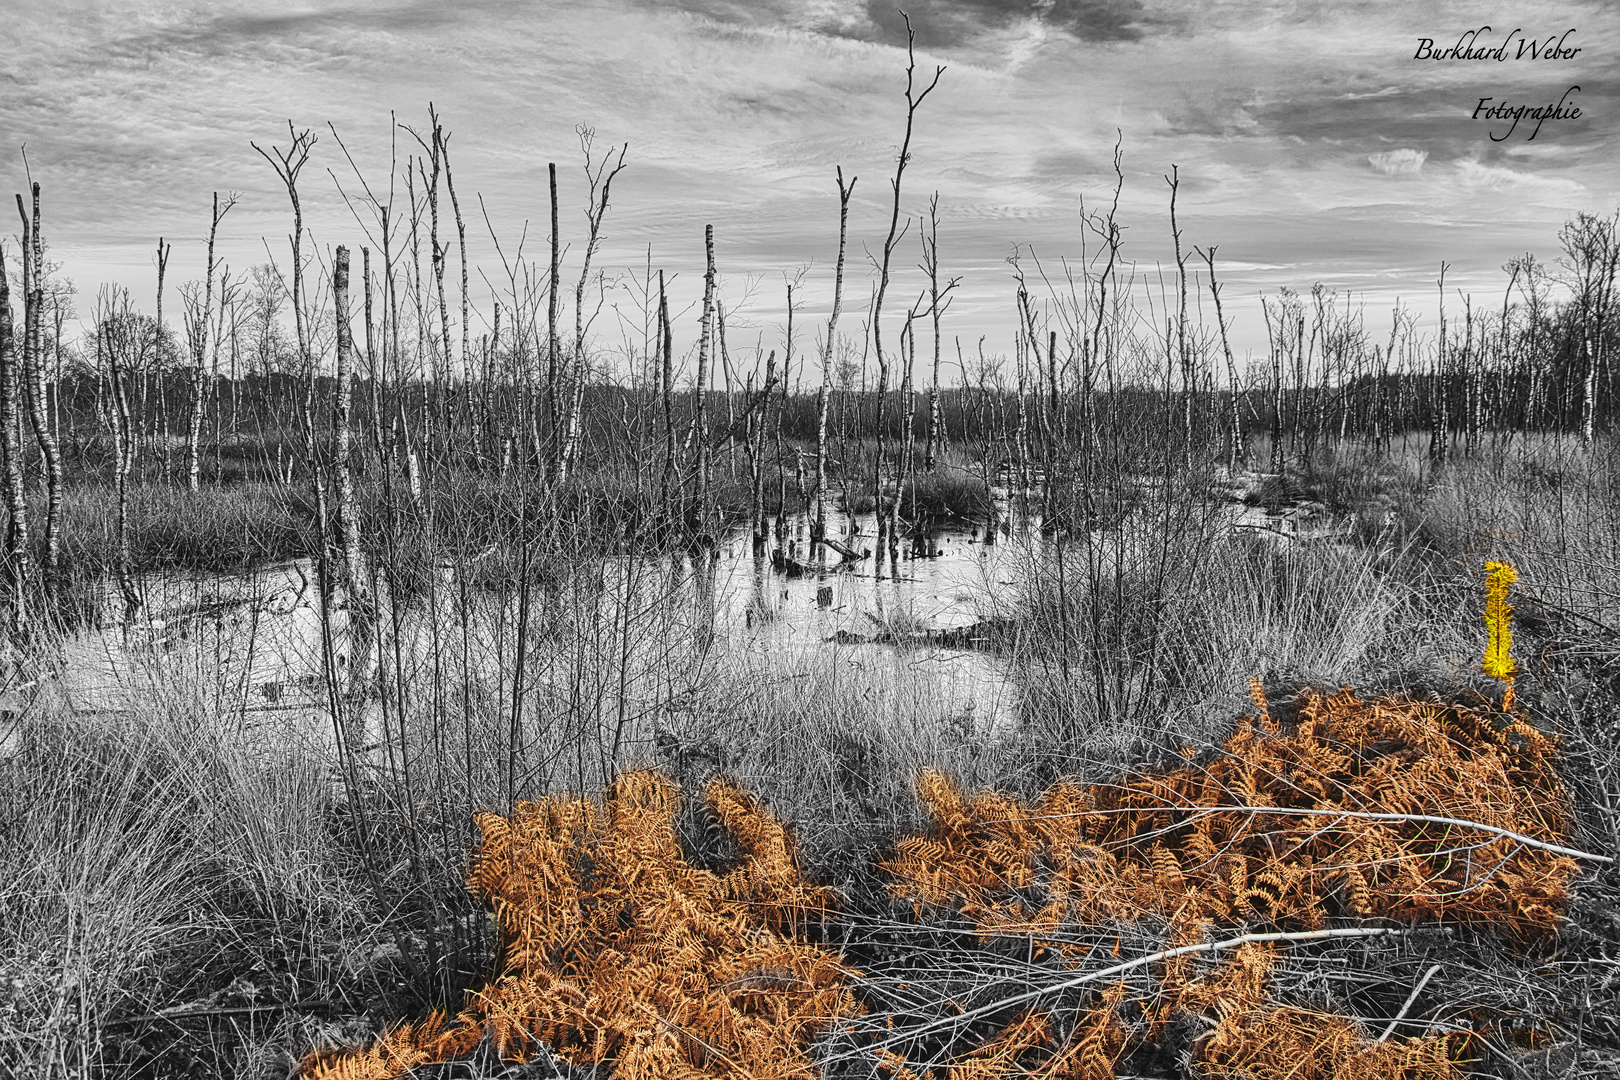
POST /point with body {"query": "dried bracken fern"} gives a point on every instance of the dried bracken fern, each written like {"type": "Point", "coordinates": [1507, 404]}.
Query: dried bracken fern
{"type": "Point", "coordinates": [615, 949]}
{"type": "Point", "coordinates": [1391, 809]}
{"type": "Point", "coordinates": [1255, 1039]}
{"type": "Point", "coordinates": [1338, 815]}
{"type": "Point", "coordinates": [995, 1058]}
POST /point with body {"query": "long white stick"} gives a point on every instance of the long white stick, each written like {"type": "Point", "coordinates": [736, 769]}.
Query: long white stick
{"type": "Point", "coordinates": [1366, 815]}
{"type": "Point", "coordinates": [1117, 969]}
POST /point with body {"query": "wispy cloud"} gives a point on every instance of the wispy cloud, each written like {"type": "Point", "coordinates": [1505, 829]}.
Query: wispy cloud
{"type": "Point", "coordinates": [1402, 162]}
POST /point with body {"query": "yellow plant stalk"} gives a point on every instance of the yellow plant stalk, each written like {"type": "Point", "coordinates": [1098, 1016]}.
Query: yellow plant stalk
{"type": "Point", "coordinates": [1499, 663]}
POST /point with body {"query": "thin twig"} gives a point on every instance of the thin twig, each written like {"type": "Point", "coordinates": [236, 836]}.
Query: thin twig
{"type": "Point", "coordinates": [191, 1012]}
{"type": "Point", "coordinates": [1366, 815]}
{"type": "Point", "coordinates": [1410, 998]}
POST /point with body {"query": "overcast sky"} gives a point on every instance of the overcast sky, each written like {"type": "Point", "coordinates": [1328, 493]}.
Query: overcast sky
{"type": "Point", "coordinates": [1312, 145]}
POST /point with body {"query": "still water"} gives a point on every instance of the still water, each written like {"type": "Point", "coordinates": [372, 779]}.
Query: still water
{"type": "Point", "coordinates": [249, 645]}
{"type": "Point", "coordinates": [245, 646]}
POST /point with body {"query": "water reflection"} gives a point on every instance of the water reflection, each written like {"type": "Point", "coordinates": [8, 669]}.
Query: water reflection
{"type": "Point", "coordinates": [249, 644]}
{"type": "Point", "coordinates": [944, 580]}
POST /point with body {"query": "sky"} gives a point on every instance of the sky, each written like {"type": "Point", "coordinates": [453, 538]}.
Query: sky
{"type": "Point", "coordinates": [1311, 143]}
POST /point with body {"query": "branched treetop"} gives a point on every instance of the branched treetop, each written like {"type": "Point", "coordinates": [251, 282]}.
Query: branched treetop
{"type": "Point", "coordinates": [287, 163]}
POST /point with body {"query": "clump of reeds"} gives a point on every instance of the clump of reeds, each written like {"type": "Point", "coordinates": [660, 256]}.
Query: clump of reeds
{"type": "Point", "coordinates": [946, 496]}
{"type": "Point", "coordinates": [216, 528]}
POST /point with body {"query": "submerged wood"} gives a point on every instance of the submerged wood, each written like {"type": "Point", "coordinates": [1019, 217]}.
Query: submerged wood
{"type": "Point", "coordinates": [988, 634]}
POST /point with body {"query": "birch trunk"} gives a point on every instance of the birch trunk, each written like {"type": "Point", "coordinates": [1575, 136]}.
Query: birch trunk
{"type": "Point", "coordinates": [701, 419]}
{"type": "Point", "coordinates": [824, 395]}
{"type": "Point", "coordinates": [551, 330]}
{"type": "Point", "coordinates": [33, 373]}
{"type": "Point", "coordinates": [11, 448]}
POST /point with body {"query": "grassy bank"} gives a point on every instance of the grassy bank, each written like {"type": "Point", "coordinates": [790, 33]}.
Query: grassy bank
{"type": "Point", "coordinates": [250, 522]}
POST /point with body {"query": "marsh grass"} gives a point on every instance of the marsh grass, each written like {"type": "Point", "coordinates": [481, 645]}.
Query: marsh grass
{"type": "Point", "coordinates": [946, 496]}
{"type": "Point", "coordinates": [268, 884]}
{"type": "Point", "coordinates": [155, 860]}
{"type": "Point", "coordinates": [216, 529]}
{"type": "Point", "coordinates": [1128, 664]}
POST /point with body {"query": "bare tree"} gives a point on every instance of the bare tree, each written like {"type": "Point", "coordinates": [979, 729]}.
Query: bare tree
{"type": "Point", "coordinates": [936, 309]}
{"type": "Point", "coordinates": [599, 177]}
{"type": "Point", "coordinates": [824, 395]}
{"type": "Point", "coordinates": [265, 300]}
{"type": "Point", "coordinates": [461, 237]}
{"type": "Point", "coordinates": [33, 382]}
{"type": "Point", "coordinates": [700, 420]}
{"type": "Point", "coordinates": [10, 447]}
{"type": "Point", "coordinates": [159, 359]}
{"type": "Point", "coordinates": [1184, 355]}
{"type": "Point", "coordinates": [197, 334]}
{"type": "Point", "coordinates": [1591, 258]}
{"type": "Point", "coordinates": [914, 99]}
{"type": "Point", "coordinates": [434, 146]}
{"type": "Point", "coordinates": [1235, 445]}
{"type": "Point", "coordinates": [117, 337]}
{"type": "Point", "coordinates": [287, 164]}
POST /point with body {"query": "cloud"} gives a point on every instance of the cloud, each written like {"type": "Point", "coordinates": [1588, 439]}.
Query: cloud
{"type": "Point", "coordinates": [938, 23]}
{"type": "Point", "coordinates": [1402, 162]}
{"type": "Point", "coordinates": [1473, 174]}
{"type": "Point", "coordinates": [737, 112]}
{"type": "Point", "coordinates": [952, 23]}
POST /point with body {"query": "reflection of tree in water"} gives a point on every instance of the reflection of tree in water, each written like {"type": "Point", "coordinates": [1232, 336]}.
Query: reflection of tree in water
{"type": "Point", "coordinates": [759, 607]}
{"type": "Point", "coordinates": [705, 564]}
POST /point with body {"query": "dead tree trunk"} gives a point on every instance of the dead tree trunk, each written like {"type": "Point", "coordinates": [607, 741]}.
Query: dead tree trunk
{"type": "Point", "coordinates": [754, 422]}
{"type": "Point", "coordinates": [781, 410]}
{"type": "Point", "coordinates": [348, 523]}
{"type": "Point", "coordinates": [10, 445]}
{"type": "Point", "coordinates": [936, 415]}
{"type": "Point", "coordinates": [551, 331]}
{"type": "Point", "coordinates": [908, 412]}
{"type": "Point", "coordinates": [596, 206]}
{"type": "Point", "coordinates": [701, 523]}
{"type": "Point", "coordinates": [666, 350]}
{"type": "Point", "coordinates": [823, 397]}
{"type": "Point", "coordinates": [199, 349]}
{"type": "Point", "coordinates": [913, 101]}
{"type": "Point", "coordinates": [156, 430]}
{"type": "Point", "coordinates": [33, 377]}
{"type": "Point", "coordinates": [352, 574]}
